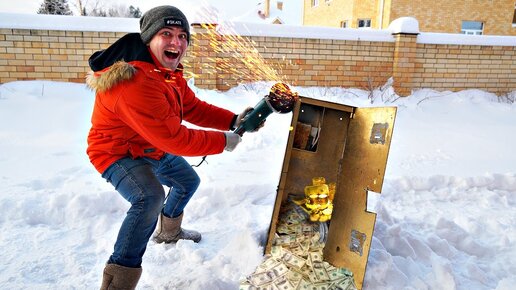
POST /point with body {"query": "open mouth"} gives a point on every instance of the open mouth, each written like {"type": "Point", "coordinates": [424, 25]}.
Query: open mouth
{"type": "Point", "coordinates": [172, 54]}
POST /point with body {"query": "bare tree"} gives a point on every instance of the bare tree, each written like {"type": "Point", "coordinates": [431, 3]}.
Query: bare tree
{"type": "Point", "coordinates": [80, 7]}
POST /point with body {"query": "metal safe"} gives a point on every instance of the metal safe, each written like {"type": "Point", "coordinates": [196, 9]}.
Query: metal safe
{"type": "Point", "coordinates": [350, 146]}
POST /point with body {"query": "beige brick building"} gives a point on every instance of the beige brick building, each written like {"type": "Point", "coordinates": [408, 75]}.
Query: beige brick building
{"type": "Point", "coordinates": [489, 17]}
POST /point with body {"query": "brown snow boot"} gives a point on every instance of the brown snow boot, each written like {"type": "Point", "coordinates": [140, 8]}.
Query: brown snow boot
{"type": "Point", "coordinates": [169, 231]}
{"type": "Point", "coordinates": [118, 277]}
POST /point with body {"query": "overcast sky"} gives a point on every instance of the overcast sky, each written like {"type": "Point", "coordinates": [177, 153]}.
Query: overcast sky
{"type": "Point", "coordinates": [229, 8]}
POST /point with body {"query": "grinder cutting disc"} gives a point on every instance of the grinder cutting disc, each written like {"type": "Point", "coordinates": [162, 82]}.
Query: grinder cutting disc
{"type": "Point", "coordinates": [281, 98]}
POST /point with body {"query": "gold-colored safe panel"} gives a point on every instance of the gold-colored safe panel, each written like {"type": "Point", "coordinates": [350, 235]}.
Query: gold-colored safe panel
{"type": "Point", "coordinates": [362, 170]}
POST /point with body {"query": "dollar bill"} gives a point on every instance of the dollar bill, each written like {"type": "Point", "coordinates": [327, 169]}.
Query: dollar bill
{"type": "Point", "coordinates": [338, 273]}
{"type": "Point", "coordinates": [345, 284]}
{"type": "Point", "coordinates": [312, 277]}
{"type": "Point", "coordinates": [276, 252]}
{"type": "Point", "coordinates": [308, 228]}
{"type": "Point", "coordinates": [304, 285]}
{"type": "Point", "coordinates": [305, 245]}
{"type": "Point", "coordinates": [289, 228]}
{"type": "Point", "coordinates": [282, 229]}
{"type": "Point", "coordinates": [284, 240]}
{"type": "Point", "coordinates": [295, 275]}
{"type": "Point", "coordinates": [306, 271]}
{"type": "Point", "coordinates": [295, 218]}
{"type": "Point", "coordinates": [296, 228]}
{"type": "Point", "coordinates": [293, 260]}
{"type": "Point", "coordinates": [282, 283]}
{"type": "Point", "coordinates": [259, 279]}
{"type": "Point", "coordinates": [320, 286]}
{"type": "Point", "coordinates": [297, 250]}
{"type": "Point", "coordinates": [316, 256]}
{"type": "Point", "coordinates": [320, 271]}
{"type": "Point", "coordinates": [279, 270]}
{"type": "Point", "coordinates": [267, 264]}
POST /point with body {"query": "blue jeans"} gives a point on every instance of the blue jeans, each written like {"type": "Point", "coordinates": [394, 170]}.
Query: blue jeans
{"type": "Point", "coordinates": [140, 181]}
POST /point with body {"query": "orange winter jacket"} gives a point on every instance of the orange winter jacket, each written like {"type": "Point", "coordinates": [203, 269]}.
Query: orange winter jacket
{"type": "Point", "coordinates": [139, 109]}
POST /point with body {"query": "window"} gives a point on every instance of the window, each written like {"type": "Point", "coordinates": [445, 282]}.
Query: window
{"type": "Point", "coordinates": [472, 27]}
{"type": "Point", "coordinates": [362, 23]}
{"type": "Point", "coordinates": [514, 16]}
{"type": "Point", "coordinates": [315, 3]}
{"type": "Point", "coordinates": [344, 24]}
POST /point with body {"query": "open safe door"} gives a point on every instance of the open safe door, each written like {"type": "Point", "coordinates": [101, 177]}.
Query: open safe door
{"type": "Point", "coordinates": [361, 170]}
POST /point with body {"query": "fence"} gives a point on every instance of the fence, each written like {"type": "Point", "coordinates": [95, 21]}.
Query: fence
{"type": "Point", "coordinates": [303, 56]}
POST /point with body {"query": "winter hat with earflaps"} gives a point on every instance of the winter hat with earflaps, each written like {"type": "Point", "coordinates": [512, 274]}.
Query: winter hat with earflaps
{"type": "Point", "coordinates": [159, 17]}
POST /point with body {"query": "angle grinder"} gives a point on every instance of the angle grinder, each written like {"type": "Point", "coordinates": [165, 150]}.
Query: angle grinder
{"type": "Point", "coordinates": [279, 100]}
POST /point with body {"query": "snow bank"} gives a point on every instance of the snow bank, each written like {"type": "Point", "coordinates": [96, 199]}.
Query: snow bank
{"type": "Point", "coordinates": [445, 218]}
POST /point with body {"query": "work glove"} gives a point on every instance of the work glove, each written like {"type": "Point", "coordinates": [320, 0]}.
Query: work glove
{"type": "Point", "coordinates": [232, 140]}
{"type": "Point", "coordinates": [241, 117]}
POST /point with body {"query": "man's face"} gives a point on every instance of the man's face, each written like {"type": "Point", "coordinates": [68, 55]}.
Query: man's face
{"type": "Point", "coordinates": [169, 46]}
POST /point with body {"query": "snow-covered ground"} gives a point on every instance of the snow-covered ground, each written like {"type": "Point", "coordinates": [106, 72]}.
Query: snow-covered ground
{"type": "Point", "coordinates": [446, 219]}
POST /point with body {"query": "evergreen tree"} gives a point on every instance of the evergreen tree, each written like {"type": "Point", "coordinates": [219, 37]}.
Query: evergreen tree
{"type": "Point", "coordinates": [55, 7]}
{"type": "Point", "coordinates": [134, 12]}
{"type": "Point", "coordinates": [119, 10]}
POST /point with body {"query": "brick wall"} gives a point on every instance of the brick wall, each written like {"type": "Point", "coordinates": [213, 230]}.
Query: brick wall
{"type": "Point", "coordinates": [308, 62]}
{"type": "Point", "coordinates": [458, 67]}
{"type": "Point", "coordinates": [434, 16]}
{"type": "Point", "coordinates": [29, 54]}
{"type": "Point", "coordinates": [447, 15]}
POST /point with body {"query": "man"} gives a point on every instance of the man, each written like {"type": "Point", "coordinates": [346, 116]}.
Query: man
{"type": "Point", "coordinates": [136, 140]}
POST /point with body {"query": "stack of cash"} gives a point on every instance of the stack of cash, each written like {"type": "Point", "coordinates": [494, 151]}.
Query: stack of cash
{"type": "Point", "coordinates": [296, 259]}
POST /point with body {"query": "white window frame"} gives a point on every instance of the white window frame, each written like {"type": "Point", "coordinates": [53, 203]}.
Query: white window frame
{"type": "Point", "coordinates": [471, 32]}
{"type": "Point", "coordinates": [315, 3]}
{"type": "Point", "coordinates": [366, 21]}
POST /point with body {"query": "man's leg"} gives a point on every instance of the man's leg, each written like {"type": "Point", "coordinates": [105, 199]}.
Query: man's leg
{"type": "Point", "coordinates": [136, 181]}
{"type": "Point", "coordinates": [183, 181]}
{"type": "Point", "coordinates": [176, 173]}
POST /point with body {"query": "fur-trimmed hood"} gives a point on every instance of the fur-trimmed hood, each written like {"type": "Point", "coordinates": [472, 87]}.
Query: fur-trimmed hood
{"type": "Point", "coordinates": [119, 71]}
{"type": "Point", "coordinates": [113, 65]}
